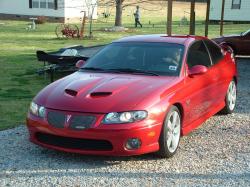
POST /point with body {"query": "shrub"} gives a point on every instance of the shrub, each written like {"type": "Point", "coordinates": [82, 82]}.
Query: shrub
{"type": "Point", "coordinates": [41, 20]}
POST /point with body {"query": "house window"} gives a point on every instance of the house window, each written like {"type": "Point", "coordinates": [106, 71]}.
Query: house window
{"type": "Point", "coordinates": [35, 4]}
{"type": "Point", "coordinates": [236, 4]}
{"type": "Point", "coordinates": [43, 4]}
{"type": "Point", "coordinates": [49, 4]}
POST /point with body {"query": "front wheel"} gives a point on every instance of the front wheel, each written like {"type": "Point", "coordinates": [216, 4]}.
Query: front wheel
{"type": "Point", "coordinates": [170, 135]}
{"type": "Point", "coordinates": [230, 99]}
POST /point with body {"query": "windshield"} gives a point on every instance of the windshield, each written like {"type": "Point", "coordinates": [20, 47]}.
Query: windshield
{"type": "Point", "coordinates": [154, 58]}
{"type": "Point", "coordinates": [246, 33]}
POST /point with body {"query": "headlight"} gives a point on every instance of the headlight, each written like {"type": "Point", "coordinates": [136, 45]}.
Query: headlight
{"type": "Point", "coordinates": [37, 110]}
{"type": "Point", "coordinates": [124, 117]}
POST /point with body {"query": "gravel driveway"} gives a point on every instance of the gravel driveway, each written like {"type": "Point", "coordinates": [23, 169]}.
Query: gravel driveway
{"type": "Point", "coordinates": [216, 154]}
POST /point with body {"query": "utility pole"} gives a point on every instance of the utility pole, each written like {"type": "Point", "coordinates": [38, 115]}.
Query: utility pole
{"type": "Point", "coordinates": [192, 18]}
{"type": "Point", "coordinates": [169, 19]}
{"type": "Point", "coordinates": [222, 17]}
{"type": "Point", "coordinates": [207, 18]}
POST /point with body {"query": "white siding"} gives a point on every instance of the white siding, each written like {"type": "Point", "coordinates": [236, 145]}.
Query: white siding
{"type": "Point", "coordinates": [242, 14]}
{"type": "Point", "coordinates": [68, 9]}
{"type": "Point", "coordinates": [21, 7]}
{"type": "Point", "coordinates": [73, 8]}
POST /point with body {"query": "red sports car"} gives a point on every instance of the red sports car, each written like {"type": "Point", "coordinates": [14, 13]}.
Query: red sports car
{"type": "Point", "coordinates": [137, 95]}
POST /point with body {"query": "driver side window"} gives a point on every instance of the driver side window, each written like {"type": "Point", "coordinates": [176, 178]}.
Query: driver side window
{"type": "Point", "coordinates": [198, 55]}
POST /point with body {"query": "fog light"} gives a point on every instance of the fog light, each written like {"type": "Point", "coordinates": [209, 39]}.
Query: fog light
{"type": "Point", "coordinates": [133, 143]}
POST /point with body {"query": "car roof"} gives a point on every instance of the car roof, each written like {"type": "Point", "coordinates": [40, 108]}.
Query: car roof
{"type": "Point", "coordinates": [178, 39]}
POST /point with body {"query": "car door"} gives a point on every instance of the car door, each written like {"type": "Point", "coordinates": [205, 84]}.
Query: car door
{"type": "Point", "coordinates": [219, 63]}
{"type": "Point", "coordinates": [200, 89]}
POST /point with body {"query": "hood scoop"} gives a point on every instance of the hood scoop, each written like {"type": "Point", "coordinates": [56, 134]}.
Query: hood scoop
{"type": "Point", "coordinates": [100, 94]}
{"type": "Point", "coordinates": [71, 92]}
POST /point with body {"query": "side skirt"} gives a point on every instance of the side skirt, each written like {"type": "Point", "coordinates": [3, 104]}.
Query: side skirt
{"type": "Point", "coordinates": [202, 119]}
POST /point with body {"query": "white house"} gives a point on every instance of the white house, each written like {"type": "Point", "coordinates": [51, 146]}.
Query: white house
{"type": "Point", "coordinates": [61, 10]}
{"type": "Point", "coordinates": [235, 10]}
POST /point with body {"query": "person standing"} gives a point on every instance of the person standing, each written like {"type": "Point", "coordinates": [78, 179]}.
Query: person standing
{"type": "Point", "coordinates": [137, 16]}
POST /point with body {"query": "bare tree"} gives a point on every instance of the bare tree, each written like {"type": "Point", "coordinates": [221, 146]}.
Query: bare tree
{"type": "Point", "coordinates": [91, 5]}
{"type": "Point", "coordinates": [118, 13]}
{"type": "Point", "coordinates": [120, 4]}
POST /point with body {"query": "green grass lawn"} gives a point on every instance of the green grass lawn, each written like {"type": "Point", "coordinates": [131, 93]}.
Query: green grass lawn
{"type": "Point", "coordinates": [19, 82]}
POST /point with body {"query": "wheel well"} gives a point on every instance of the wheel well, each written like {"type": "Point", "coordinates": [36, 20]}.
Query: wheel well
{"type": "Point", "coordinates": [235, 79]}
{"type": "Point", "coordinates": [179, 106]}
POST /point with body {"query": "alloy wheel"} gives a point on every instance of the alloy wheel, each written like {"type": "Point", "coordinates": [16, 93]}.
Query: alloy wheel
{"type": "Point", "coordinates": [173, 132]}
{"type": "Point", "coordinates": [231, 95]}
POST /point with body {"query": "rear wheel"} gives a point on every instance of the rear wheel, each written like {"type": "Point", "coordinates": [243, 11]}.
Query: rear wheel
{"type": "Point", "coordinates": [170, 135]}
{"type": "Point", "coordinates": [230, 99]}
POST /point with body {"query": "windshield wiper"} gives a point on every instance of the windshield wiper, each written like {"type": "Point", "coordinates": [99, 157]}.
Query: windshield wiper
{"type": "Point", "coordinates": [92, 69]}
{"type": "Point", "coordinates": [124, 70]}
{"type": "Point", "coordinates": [100, 70]}
{"type": "Point", "coordinates": [136, 71]}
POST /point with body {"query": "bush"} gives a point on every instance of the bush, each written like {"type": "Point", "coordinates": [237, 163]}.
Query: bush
{"type": "Point", "coordinates": [41, 20]}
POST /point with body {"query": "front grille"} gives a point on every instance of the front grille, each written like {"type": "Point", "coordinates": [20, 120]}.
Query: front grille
{"type": "Point", "coordinates": [74, 143]}
{"type": "Point", "coordinates": [56, 119]}
{"type": "Point", "coordinates": [76, 122]}
{"type": "Point", "coordinates": [81, 122]}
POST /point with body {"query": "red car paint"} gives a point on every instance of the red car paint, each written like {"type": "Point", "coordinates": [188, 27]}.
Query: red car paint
{"type": "Point", "coordinates": [198, 97]}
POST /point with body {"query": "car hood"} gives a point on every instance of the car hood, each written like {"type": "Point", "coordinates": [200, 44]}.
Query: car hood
{"type": "Point", "coordinates": [101, 92]}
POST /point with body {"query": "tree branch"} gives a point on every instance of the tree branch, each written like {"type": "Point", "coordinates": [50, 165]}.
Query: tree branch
{"type": "Point", "coordinates": [137, 2]}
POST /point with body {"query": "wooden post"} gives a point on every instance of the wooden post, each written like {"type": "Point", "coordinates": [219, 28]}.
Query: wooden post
{"type": "Point", "coordinates": [222, 17]}
{"type": "Point", "coordinates": [207, 18]}
{"type": "Point", "coordinates": [192, 18]}
{"type": "Point", "coordinates": [169, 19]}
{"type": "Point", "coordinates": [83, 25]}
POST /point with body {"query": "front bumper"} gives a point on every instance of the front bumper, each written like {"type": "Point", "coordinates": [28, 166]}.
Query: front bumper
{"type": "Point", "coordinates": [116, 135]}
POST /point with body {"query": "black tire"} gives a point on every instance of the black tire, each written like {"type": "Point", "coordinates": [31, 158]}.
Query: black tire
{"type": "Point", "coordinates": [165, 151]}
{"type": "Point", "coordinates": [228, 109]}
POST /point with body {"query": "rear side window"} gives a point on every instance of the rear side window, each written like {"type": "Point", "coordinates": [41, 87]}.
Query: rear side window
{"type": "Point", "coordinates": [198, 55]}
{"type": "Point", "coordinates": [214, 50]}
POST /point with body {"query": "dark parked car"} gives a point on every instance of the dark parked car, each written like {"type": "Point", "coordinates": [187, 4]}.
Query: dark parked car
{"type": "Point", "coordinates": [240, 43]}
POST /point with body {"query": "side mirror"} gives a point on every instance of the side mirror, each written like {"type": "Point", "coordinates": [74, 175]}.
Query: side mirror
{"type": "Point", "coordinates": [80, 63]}
{"type": "Point", "coordinates": [197, 70]}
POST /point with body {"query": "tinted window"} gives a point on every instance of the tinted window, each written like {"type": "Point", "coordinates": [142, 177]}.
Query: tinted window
{"type": "Point", "coordinates": [198, 55]}
{"type": "Point", "coordinates": [160, 58]}
{"type": "Point", "coordinates": [215, 51]}
{"type": "Point", "coordinates": [247, 33]}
